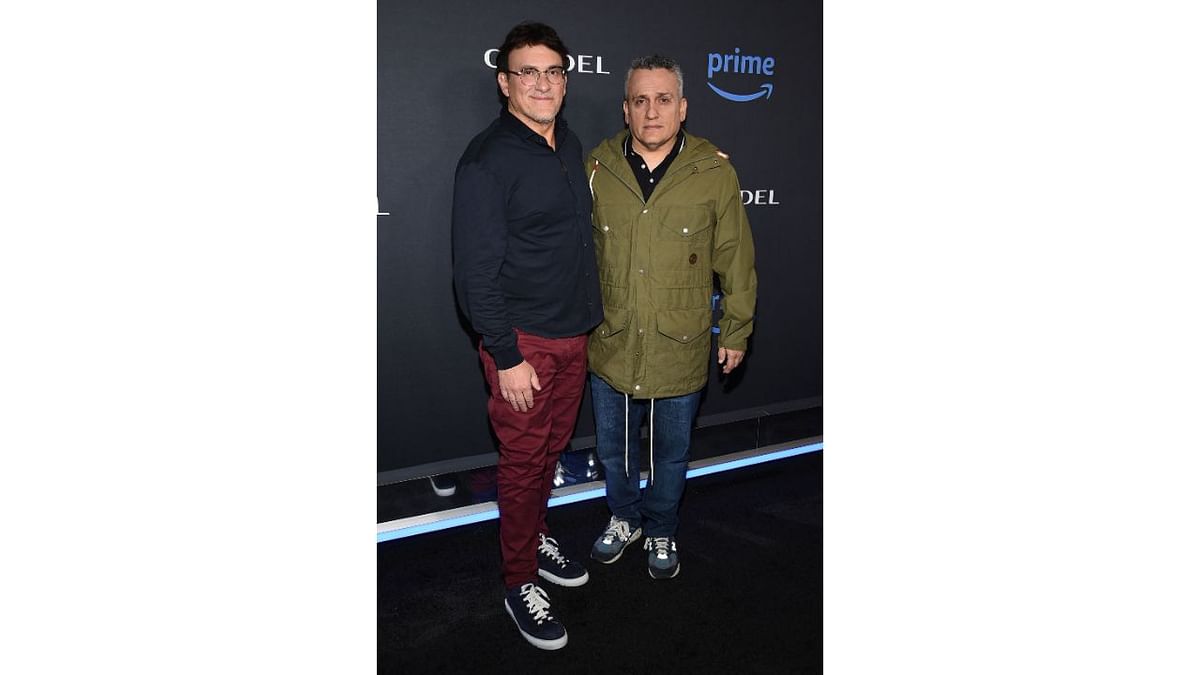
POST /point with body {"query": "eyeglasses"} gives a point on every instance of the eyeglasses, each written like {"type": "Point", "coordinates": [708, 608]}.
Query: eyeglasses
{"type": "Point", "coordinates": [530, 75]}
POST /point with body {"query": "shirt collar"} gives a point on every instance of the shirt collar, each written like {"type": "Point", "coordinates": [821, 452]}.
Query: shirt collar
{"type": "Point", "coordinates": [680, 141]}
{"type": "Point", "coordinates": [521, 129]}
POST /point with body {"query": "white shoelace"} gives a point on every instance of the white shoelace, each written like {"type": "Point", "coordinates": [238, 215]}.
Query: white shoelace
{"type": "Point", "coordinates": [617, 529]}
{"type": "Point", "coordinates": [550, 547]}
{"type": "Point", "coordinates": [536, 601]}
{"type": "Point", "coordinates": [662, 546]}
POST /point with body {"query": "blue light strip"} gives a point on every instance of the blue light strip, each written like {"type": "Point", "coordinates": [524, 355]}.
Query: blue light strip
{"type": "Point", "coordinates": [579, 496]}
{"type": "Point", "coordinates": [595, 493]}
{"type": "Point", "coordinates": [756, 459]}
{"type": "Point", "coordinates": [490, 514]}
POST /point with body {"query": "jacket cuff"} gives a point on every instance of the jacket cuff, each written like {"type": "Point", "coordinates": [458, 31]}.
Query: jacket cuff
{"type": "Point", "coordinates": [733, 339]}
{"type": "Point", "coordinates": [507, 357]}
{"type": "Point", "coordinates": [736, 345]}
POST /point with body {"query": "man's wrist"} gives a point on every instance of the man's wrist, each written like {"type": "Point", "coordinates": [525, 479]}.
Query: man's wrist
{"type": "Point", "coordinates": [507, 357]}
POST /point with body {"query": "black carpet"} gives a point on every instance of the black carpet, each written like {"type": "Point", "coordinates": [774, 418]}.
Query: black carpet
{"type": "Point", "coordinates": [747, 598]}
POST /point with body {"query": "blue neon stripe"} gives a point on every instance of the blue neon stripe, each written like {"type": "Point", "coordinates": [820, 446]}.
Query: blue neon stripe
{"type": "Point", "coordinates": [585, 495]}
{"type": "Point", "coordinates": [757, 459]}
{"type": "Point", "coordinates": [490, 514]}
{"type": "Point", "coordinates": [595, 493]}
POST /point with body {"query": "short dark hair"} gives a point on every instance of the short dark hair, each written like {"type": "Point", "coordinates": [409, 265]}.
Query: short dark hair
{"type": "Point", "coordinates": [529, 34]}
{"type": "Point", "coordinates": [650, 63]}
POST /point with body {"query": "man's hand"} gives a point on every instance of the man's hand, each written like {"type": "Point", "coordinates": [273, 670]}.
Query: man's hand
{"type": "Point", "coordinates": [731, 358]}
{"type": "Point", "coordinates": [517, 385]}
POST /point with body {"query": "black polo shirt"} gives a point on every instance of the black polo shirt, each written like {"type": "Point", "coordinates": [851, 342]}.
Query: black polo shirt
{"type": "Point", "coordinates": [646, 178]}
{"type": "Point", "coordinates": [522, 237]}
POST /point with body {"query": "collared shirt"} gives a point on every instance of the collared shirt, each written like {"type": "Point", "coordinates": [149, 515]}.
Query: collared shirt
{"type": "Point", "coordinates": [646, 178]}
{"type": "Point", "coordinates": [522, 237]}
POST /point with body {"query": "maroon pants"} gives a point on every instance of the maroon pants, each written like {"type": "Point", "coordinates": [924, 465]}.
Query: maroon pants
{"type": "Point", "coordinates": [530, 443]}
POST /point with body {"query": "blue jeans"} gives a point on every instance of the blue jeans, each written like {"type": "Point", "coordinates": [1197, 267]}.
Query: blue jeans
{"type": "Point", "coordinates": [656, 511]}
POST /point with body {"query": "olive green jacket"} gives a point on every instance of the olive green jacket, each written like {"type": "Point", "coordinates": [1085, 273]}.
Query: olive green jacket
{"type": "Point", "coordinates": [656, 262]}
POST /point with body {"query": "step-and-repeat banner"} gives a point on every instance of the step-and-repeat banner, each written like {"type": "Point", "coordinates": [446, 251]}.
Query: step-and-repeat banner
{"type": "Point", "coordinates": [752, 78]}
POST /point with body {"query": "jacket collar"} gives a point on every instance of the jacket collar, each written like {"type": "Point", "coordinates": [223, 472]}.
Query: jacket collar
{"type": "Point", "coordinates": [611, 152]}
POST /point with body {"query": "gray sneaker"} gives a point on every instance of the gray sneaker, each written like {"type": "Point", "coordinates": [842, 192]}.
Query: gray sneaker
{"type": "Point", "coordinates": [663, 561]}
{"type": "Point", "coordinates": [612, 543]}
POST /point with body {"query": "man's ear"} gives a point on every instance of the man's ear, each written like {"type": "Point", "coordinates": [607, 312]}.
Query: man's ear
{"type": "Point", "coordinates": [502, 81]}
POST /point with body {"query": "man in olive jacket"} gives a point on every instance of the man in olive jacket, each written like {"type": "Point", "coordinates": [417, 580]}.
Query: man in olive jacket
{"type": "Point", "coordinates": [667, 214]}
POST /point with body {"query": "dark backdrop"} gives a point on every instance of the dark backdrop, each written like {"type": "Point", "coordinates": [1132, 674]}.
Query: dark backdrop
{"type": "Point", "coordinates": [436, 91]}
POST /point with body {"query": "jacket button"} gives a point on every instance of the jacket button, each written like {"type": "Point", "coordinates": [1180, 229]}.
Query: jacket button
{"type": "Point", "coordinates": [606, 228]}
{"type": "Point", "coordinates": [637, 387]}
{"type": "Point", "coordinates": [645, 210]}
{"type": "Point", "coordinates": [692, 259]}
{"type": "Point", "coordinates": [685, 230]}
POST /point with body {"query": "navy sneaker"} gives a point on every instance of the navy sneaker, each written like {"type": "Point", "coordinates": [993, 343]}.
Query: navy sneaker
{"type": "Point", "coordinates": [613, 541]}
{"type": "Point", "coordinates": [529, 607]}
{"type": "Point", "coordinates": [555, 567]}
{"type": "Point", "coordinates": [663, 561]}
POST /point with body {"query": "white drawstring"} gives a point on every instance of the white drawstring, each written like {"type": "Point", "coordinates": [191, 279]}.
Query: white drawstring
{"type": "Point", "coordinates": [627, 435]}
{"type": "Point", "coordinates": [651, 439]}
{"type": "Point", "coordinates": [651, 442]}
{"type": "Point", "coordinates": [593, 190]}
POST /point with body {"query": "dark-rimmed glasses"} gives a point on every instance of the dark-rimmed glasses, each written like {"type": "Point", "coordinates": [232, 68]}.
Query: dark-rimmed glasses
{"type": "Point", "coordinates": [529, 75]}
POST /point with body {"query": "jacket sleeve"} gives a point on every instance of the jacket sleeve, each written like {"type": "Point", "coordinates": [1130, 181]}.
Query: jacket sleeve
{"type": "Point", "coordinates": [733, 261]}
{"type": "Point", "coordinates": [479, 238]}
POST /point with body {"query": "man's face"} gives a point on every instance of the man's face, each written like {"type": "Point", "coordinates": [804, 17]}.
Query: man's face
{"type": "Point", "coordinates": [653, 108]}
{"type": "Point", "coordinates": [535, 103]}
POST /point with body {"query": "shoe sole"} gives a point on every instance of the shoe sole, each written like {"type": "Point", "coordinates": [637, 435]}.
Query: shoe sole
{"type": "Point", "coordinates": [536, 641]}
{"type": "Point", "coordinates": [637, 534]}
{"type": "Point", "coordinates": [563, 581]}
{"type": "Point", "coordinates": [673, 574]}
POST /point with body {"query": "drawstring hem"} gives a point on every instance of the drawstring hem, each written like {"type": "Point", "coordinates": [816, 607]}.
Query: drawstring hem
{"type": "Point", "coordinates": [626, 436]}
{"type": "Point", "coordinates": [651, 442]}
{"type": "Point", "coordinates": [651, 482]}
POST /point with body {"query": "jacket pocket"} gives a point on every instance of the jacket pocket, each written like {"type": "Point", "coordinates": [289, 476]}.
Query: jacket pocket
{"type": "Point", "coordinates": [683, 238]}
{"type": "Point", "coordinates": [615, 321]}
{"type": "Point", "coordinates": [686, 224]}
{"type": "Point", "coordinates": [685, 325]}
{"type": "Point", "coordinates": [612, 235]}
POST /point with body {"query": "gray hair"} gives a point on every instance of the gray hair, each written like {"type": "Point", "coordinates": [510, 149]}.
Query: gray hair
{"type": "Point", "coordinates": [650, 63]}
